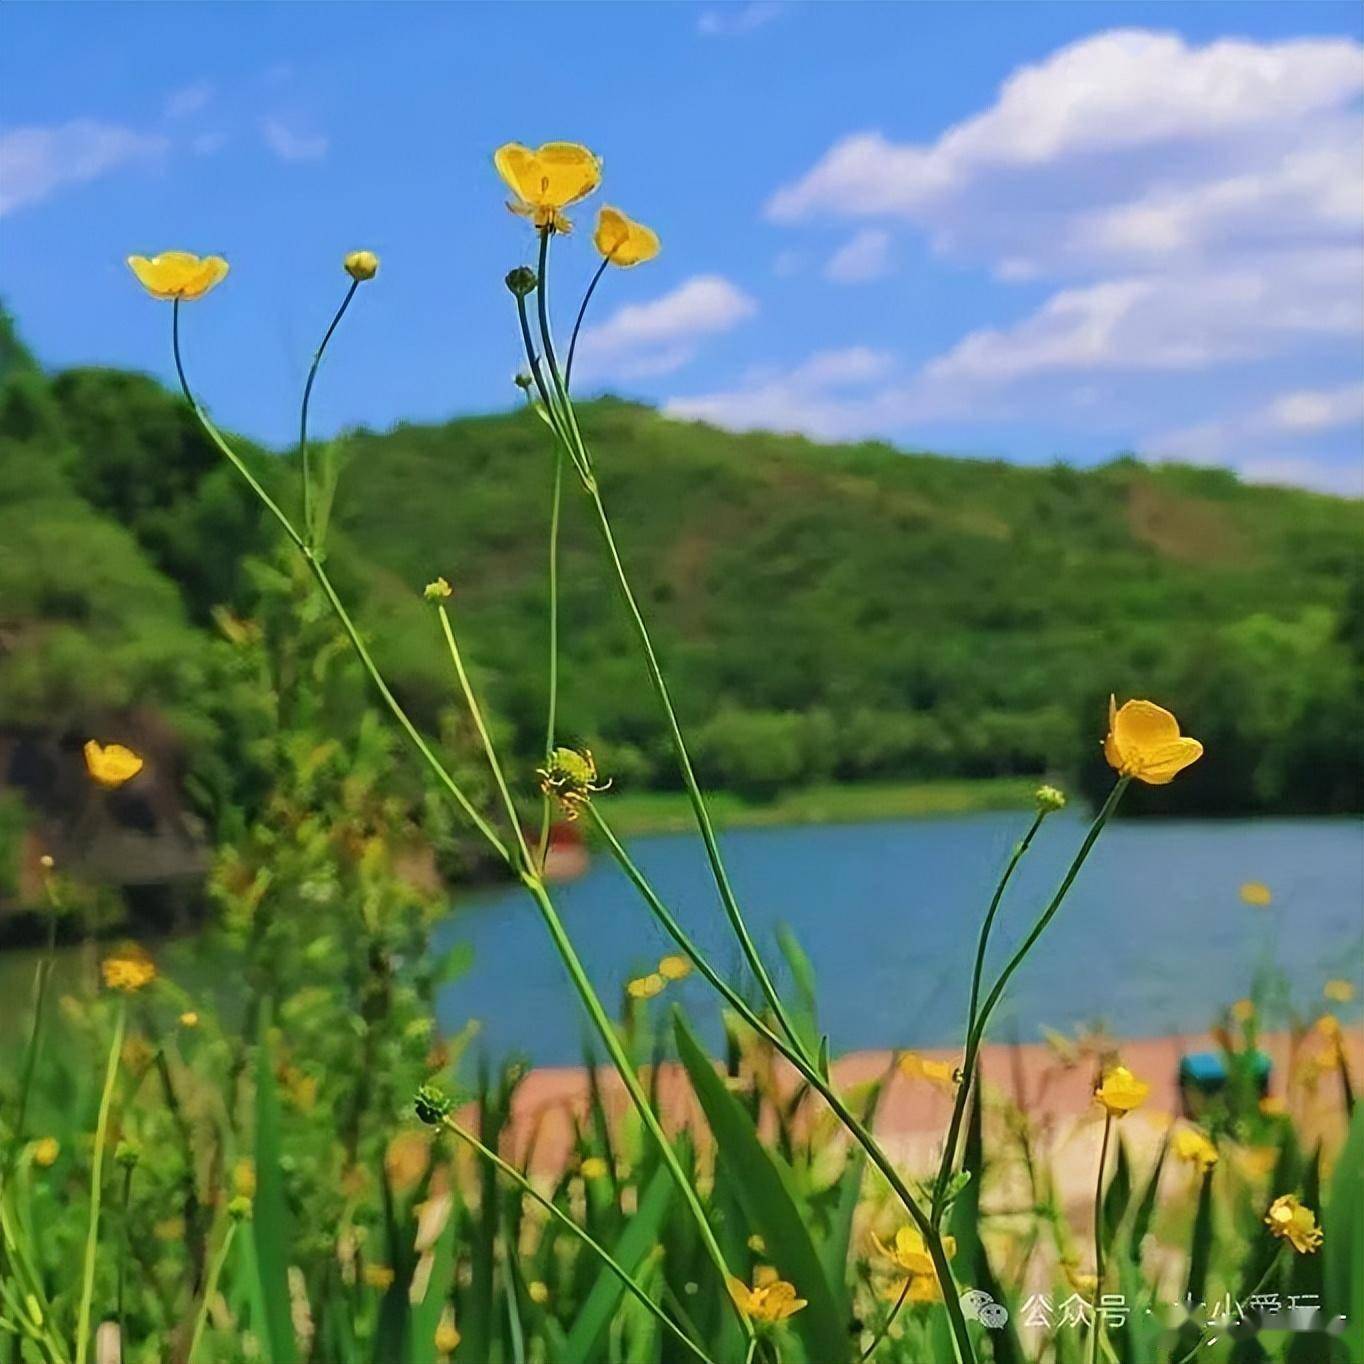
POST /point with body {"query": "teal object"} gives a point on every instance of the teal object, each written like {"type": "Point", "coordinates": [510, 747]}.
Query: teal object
{"type": "Point", "coordinates": [1203, 1076]}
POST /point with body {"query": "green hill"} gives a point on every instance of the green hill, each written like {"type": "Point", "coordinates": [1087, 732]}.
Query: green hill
{"type": "Point", "coordinates": [826, 613]}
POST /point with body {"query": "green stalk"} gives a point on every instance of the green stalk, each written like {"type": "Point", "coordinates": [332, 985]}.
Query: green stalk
{"type": "Point", "coordinates": [41, 975]}
{"type": "Point", "coordinates": [552, 708]}
{"type": "Point", "coordinates": [810, 1073]}
{"type": "Point", "coordinates": [303, 414]}
{"type": "Point", "coordinates": [1099, 1238]}
{"type": "Point", "coordinates": [571, 1226]}
{"type": "Point", "coordinates": [215, 1270]}
{"type": "Point", "coordinates": [977, 1032]}
{"type": "Point", "coordinates": [578, 325]}
{"type": "Point", "coordinates": [97, 1182]}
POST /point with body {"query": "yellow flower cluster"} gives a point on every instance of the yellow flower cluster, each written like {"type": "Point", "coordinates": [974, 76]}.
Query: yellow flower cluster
{"type": "Point", "coordinates": [129, 969]}
{"type": "Point", "coordinates": [668, 968]}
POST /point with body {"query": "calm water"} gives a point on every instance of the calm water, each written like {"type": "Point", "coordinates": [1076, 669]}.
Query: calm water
{"type": "Point", "coordinates": [1152, 938]}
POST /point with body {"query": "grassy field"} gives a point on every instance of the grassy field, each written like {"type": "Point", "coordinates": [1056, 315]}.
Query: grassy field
{"type": "Point", "coordinates": [659, 812]}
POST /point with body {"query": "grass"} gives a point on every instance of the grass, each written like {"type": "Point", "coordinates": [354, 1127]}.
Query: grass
{"type": "Point", "coordinates": [666, 812]}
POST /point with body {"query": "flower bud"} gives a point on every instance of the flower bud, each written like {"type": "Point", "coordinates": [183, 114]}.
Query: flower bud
{"type": "Point", "coordinates": [1049, 799]}
{"type": "Point", "coordinates": [239, 1209]}
{"type": "Point", "coordinates": [432, 1104]}
{"type": "Point", "coordinates": [522, 281]}
{"type": "Point", "coordinates": [127, 1154]}
{"type": "Point", "coordinates": [361, 265]}
{"type": "Point", "coordinates": [437, 590]}
{"type": "Point", "coordinates": [522, 381]}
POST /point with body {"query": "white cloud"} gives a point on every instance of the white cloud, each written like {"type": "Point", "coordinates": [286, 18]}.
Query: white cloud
{"type": "Point", "coordinates": [735, 19]}
{"type": "Point", "coordinates": [646, 339]}
{"type": "Point", "coordinates": [190, 100]}
{"type": "Point", "coordinates": [290, 143]}
{"type": "Point", "coordinates": [863, 257]}
{"type": "Point", "coordinates": [36, 161]}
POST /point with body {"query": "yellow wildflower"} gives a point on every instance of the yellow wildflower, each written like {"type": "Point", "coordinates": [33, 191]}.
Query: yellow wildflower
{"type": "Point", "coordinates": [1193, 1146]}
{"type": "Point", "coordinates": [1338, 991]}
{"type": "Point", "coordinates": [623, 241]}
{"type": "Point", "coordinates": [1121, 1092]}
{"type": "Point", "coordinates": [538, 1292]}
{"type": "Point", "coordinates": [940, 1073]}
{"type": "Point", "coordinates": [189, 1019]}
{"type": "Point", "coordinates": [594, 1167]}
{"type": "Point", "coordinates": [1086, 1285]}
{"type": "Point", "coordinates": [379, 1276]}
{"type": "Point", "coordinates": [1144, 742]}
{"type": "Point", "coordinates": [110, 765]}
{"type": "Point", "coordinates": [361, 265]}
{"type": "Point", "coordinates": [769, 1301]}
{"type": "Point", "coordinates": [178, 274]}
{"type": "Point", "coordinates": [129, 969]}
{"type": "Point", "coordinates": [1243, 1010]}
{"type": "Point", "coordinates": [45, 1151]}
{"type": "Point", "coordinates": [1257, 893]}
{"type": "Point", "coordinates": [244, 1177]}
{"type": "Point", "coordinates": [437, 590]}
{"type": "Point", "coordinates": [1291, 1221]}
{"type": "Point", "coordinates": [447, 1336]}
{"type": "Point", "coordinates": [916, 1288]}
{"type": "Point", "coordinates": [909, 1253]}
{"type": "Point", "coordinates": [547, 179]}
{"type": "Point", "coordinates": [674, 968]}
{"type": "Point", "coordinates": [646, 987]}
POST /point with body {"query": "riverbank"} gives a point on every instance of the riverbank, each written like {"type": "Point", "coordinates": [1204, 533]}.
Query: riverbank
{"type": "Point", "coordinates": [666, 812]}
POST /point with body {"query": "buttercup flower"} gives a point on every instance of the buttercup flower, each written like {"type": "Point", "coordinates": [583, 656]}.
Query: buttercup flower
{"type": "Point", "coordinates": [178, 274]}
{"type": "Point", "coordinates": [594, 1167]}
{"type": "Point", "coordinates": [571, 778]}
{"type": "Point", "coordinates": [537, 1292]}
{"type": "Point", "coordinates": [1121, 1092]}
{"type": "Point", "coordinates": [1291, 1221]}
{"type": "Point", "coordinates": [361, 265]}
{"type": "Point", "coordinates": [189, 1019]}
{"type": "Point", "coordinates": [379, 1276]}
{"type": "Point", "coordinates": [1338, 991]}
{"type": "Point", "coordinates": [447, 1337]}
{"type": "Point", "coordinates": [45, 1151]}
{"type": "Point", "coordinates": [110, 765]}
{"type": "Point", "coordinates": [546, 180]}
{"type": "Point", "coordinates": [1256, 893]}
{"type": "Point", "coordinates": [646, 987]}
{"type": "Point", "coordinates": [1193, 1146]}
{"type": "Point", "coordinates": [1144, 742]}
{"type": "Point", "coordinates": [909, 1253]}
{"type": "Point", "coordinates": [129, 969]}
{"type": "Point", "coordinates": [674, 968]}
{"type": "Point", "coordinates": [623, 241]}
{"type": "Point", "coordinates": [940, 1073]}
{"type": "Point", "coordinates": [769, 1301]}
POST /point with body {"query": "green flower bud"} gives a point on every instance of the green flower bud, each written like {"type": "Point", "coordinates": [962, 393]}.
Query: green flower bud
{"type": "Point", "coordinates": [239, 1209]}
{"type": "Point", "coordinates": [431, 1105]}
{"type": "Point", "coordinates": [522, 281]}
{"type": "Point", "coordinates": [361, 265]}
{"type": "Point", "coordinates": [437, 590]}
{"type": "Point", "coordinates": [127, 1154]}
{"type": "Point", "coordinates": [1049, 799]}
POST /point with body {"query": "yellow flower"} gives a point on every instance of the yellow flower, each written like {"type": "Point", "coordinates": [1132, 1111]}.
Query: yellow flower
{"type": "Point", "coordinates": [1086, 1285]}
{"type": "Point", "coordinates": [1256, 893]}
{"type": "Point", "coordinates": [940, 1073]}
{"type": "Point", "coordinates": [129, 969]}
{"type": "Point", "coordinates": [437, 590]}
{"type": "Point", "coordinates": [909, 1253]}
{"type": "Point", "coordinates": [594, 1167]}
{"type": "Point", "coordinates": [1193, 1146]}
{"type": "Point", "coordinates": [178, 274]}
{"type": "Point", "coordinates": [1243, 1010]}
{"type": "Point", "coordinates": [361, 265]}
{"type": "Point", "coordinates": [110, 766]}
{"type": "Point", "coordinates": [646, 987]}
{"type": "Point", "coordinates": [921, 1288]}
{"type": "Point", "coordinates": [674, 968]}
{"type": "Point", "coordinates": [1144, 742]}
{"type": "Point", "coordinates": [189, 1019]}
{"type": "Point", "coordinates": [769, 1301]}
{"type": "Point", "coordinates": [45, 1151]}
{"type": "Point", "coordinates": [547, 179]}
{"type": "Point", "coordinates": [1121, 1092]}
{"type": "Point", "coordinates": [1338, 991]}
{"type": "Point", "coordinates": [447, 1337]}
{"type": "Point", "coordinates": [244, 1177]}
{"type": "Point", "coordinates": [537, 1292]}
{"type": "Point", "coordinates": [1291, 1221]}
{"type": "Point", "coordinates": [378, 1276]}
{"type": "Point", "coordinates": [623, 241]}
{"type": "Point", "coordinates": [1273, 1106]}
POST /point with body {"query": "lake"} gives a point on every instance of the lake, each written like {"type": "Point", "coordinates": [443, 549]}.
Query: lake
{"type": "Point", "coordinates": [1153, 937]}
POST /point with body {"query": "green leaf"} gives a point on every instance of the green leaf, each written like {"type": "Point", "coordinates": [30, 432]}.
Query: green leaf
{"type": "Point", "coordinates": [1118, 1194]}
{"type": "Point", "coordinates": [765, 1190]}
{"type": "Point", "coordinates": [1146, 1205]}
{"type": "Point", "coordinates": [270, 1224]}
{"type": "Point", "coordinates": [1343, 1223]}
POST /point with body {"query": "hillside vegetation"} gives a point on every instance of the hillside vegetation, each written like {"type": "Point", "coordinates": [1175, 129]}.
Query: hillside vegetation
{"type": "Point", "coordinates": [826, 613]}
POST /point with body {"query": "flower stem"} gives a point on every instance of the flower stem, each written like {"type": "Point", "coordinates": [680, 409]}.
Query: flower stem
{"type": "Point", "coordinates": [215, 1270]}
{"type": "Point", "coordinates": [41, 976]}
{"type": "Point", "coordinates": [552, 708]}
{"type": "Point", "coordinates": [977, 1033]}
{"type": "Point", "coordinates": [1099, 1239]}
{"type": "Point", "coordinates": [577, 326]}
{"type": "Point", "coordinates": [308, 527]}
{"type": "Point", "coordinates": [574, 1229]}
{"type": "Point", "coordinates": [97, 1182]}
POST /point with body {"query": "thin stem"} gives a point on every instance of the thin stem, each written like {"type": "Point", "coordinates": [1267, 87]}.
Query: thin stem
{"type": "Point", "coordinates": [577, 326]}
{"type": "Point", "coordinates": [888, 1323]}
{"type": "Point", "coordinates": [1099, 1238]}
{"type": "Point", "coordinates": [318, 572]}
{"type": "Point", "coordinates": [977, 1032]}
{"type": "Point", "coordinates": [215, 1270]}
{"type": "Point", "coordinates": [1259, 1284]}
{"type": "Point", "coordinates": [123, 1245]}
{"type": "Point", "coordinates": [977, 971]}
{"type": "Point", "coordinates": [485, 738]}
{"type": "Point", "coordinates": [303, 413]}
{"type": "Point", "coordinates": [552, 708]}
{"type": "Point", "coordinates": [809, 1072]}
{"type": "Point", "coordinates": [41, 975]}
{"type": "Point", "coordinates": [571, 1226]}
{"type": "Point", "coordinates": [97, 1183]}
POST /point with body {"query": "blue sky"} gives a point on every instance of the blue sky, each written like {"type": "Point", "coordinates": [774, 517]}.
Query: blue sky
{"type": "Point", "coordinates": [1028, 230]}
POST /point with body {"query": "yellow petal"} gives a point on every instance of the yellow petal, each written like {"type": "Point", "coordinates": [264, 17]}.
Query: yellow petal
{"type": "Point", "coordinates": [552, 177]}
{"type": "Point", "coordinates": [1161, 765]}
{"type": "Point", "coordinates": [1143, 725]}
{"type": "Point", "coordinates": [623, 241]}
{"type": "Point", "coordinates": [178, 274]}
